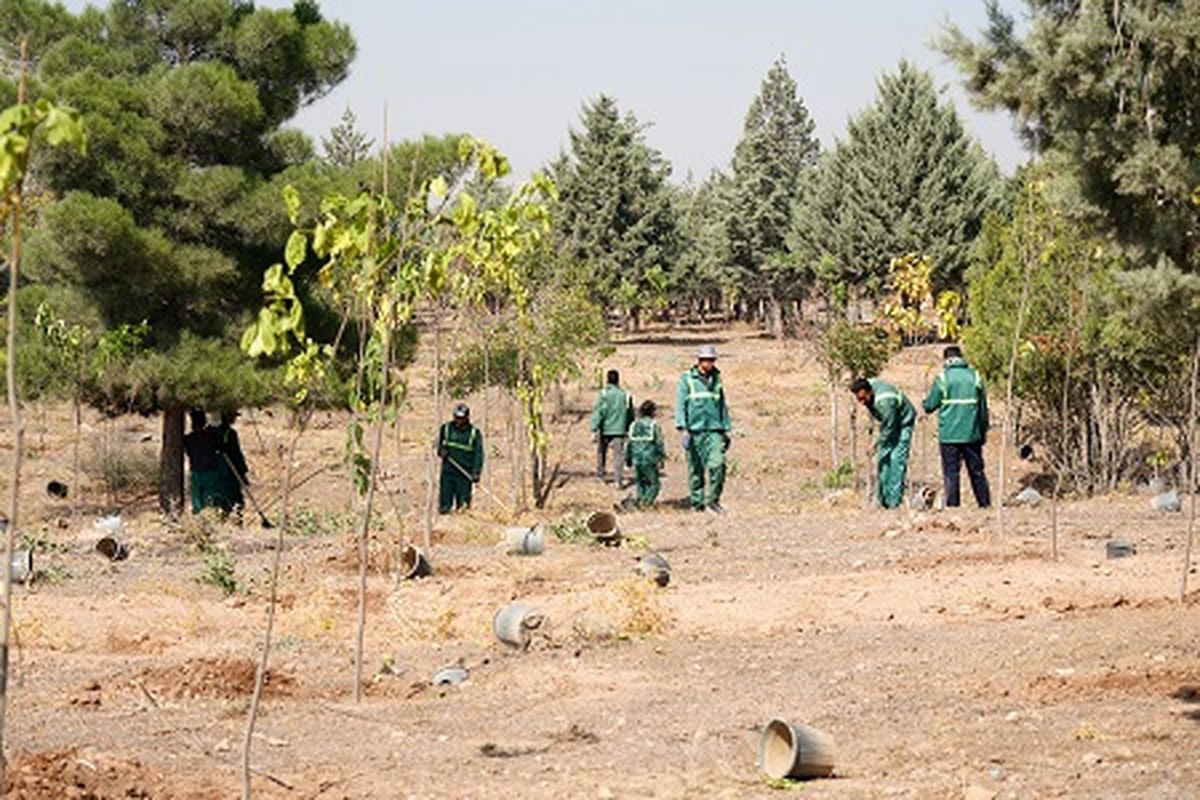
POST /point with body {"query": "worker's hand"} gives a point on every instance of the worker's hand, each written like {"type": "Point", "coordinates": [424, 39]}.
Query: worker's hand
{"type": "Point", "coordinates": [595, 436]}
{"type": "Point", "coordinates": [441, 452]}
{"type": "Point", "coordinates": [686, 441]}
{"type": "Point", "coordinates": [474, 479]}
{"type": "Point", "coordinates": [728, 441]}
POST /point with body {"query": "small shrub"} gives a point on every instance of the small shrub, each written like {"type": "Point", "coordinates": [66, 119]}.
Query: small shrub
{"type": "Point", "coordinates": [571, 528]}
{"type": "Point", "coordinates": [219, 570]}
{"type": "Point", "coordinates": [641, 610]}
{"type": "Point", "coordinates": [122, 468]}
{"type": "Point", "coordinates": [840, 477]}
{"type": "Point", "coordinates": [201, 529]}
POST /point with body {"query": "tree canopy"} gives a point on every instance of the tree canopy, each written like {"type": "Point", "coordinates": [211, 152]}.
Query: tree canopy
{"type": "Point", "coordinates": [907, 179]}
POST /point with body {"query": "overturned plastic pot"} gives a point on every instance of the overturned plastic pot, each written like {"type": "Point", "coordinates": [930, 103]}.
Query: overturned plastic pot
{"type": "Point", "coordinates": [795, 751]}
{"type": "Point", "coordinates": [20, 569]}
{"type": "Point", "coordinates": [1120, 548]}
{"type": "Point", "coordinates": [451, 675]}
{"type": "Point", "coordinates": [111, 549]}
{"type": "Point", "coordinates": [524, 541]}
{"type": "Point", "coordinates": [57, 489]}
{"type": "Point", "coordinates": [602, 525]}
{"type": "Point", "coordinates": [515, 623]}
{"type": "Point", "coordinates": [654, 567]}
{"type": "Point", "coordinates": [413, 563]}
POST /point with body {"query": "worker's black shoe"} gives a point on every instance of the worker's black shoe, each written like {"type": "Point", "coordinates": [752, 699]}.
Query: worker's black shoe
{"type": "Point", "coordinates": [715, 508]}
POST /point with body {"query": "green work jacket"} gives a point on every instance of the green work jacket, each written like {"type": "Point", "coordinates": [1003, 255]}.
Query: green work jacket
{"type": "Point", "coordinates": [700, 403]}
{"type": "Point", "coordinates": [464, 447]}
{"type": "Point", "coordinates": [961, 402]}
{"type": "Point", "coordinates": [892, 409]}
{"type": "Point", "coordinates": [645, 443]}
{"type": "Point", "coordinates": [613, 411]}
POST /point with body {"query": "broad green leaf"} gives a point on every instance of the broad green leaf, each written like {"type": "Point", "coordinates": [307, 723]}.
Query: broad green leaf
{"type": "Point", "coordinates": [291, 200]}
{"type": "Point", "coordinates": [296, 250]}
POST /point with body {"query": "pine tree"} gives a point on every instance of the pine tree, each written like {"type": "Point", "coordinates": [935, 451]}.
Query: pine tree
{"type": "Point", "coordinates": [346, 144]}
{"type": "Point", "coordinates": [701, 278]}
{"type": "Point", "coordinates": [907, 179]}
{"type": "Point", "coordinates": [1106, 91]}
{"type": "Point", "coordinates": [775, 154]}
{"type": "Point", "coordinates": [172, 211]}
{"type": "Point", "coordinates": [615, 216]}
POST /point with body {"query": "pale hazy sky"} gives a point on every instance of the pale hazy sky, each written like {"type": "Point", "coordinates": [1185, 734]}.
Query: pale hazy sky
{"type": "Point", "coordinates": [517, 72]}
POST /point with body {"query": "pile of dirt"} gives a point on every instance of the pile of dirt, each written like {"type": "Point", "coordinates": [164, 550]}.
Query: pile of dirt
{"type": "Point", "coordinates": [1179, 681]}
{"type": "Point", "coordinates": [227, 678]}
{"type": "Point", "coordinates": [83, 775]}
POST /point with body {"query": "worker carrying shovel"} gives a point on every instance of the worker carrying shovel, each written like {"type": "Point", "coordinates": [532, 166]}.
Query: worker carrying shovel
{"type": "Point", "coordinates": [896, 417]}
{"type": "Point", "coordinates": [460, 446]}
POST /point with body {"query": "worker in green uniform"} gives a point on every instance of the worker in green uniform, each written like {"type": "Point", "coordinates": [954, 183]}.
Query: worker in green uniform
{"type": "Point", "coordinates": [204, 478]}
{"type": "Point", "coordinates": [646, 453]}
{"type": "Point", "coordinates": [460, 446]}
{"type": "Point", "coordinates": [896, 417]}
{"type": "Point", "coordinates": [611, 418]}
{"type": "Point", "coordinates": [702, 417]}
{"type": "Point", "coordinates": [231, 465]}
{"type": "Point", "coordinates": [960, 400]}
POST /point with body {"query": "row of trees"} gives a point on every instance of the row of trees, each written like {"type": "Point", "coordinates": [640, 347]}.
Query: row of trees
{"type": "Point", "coordinates": [785, 222]}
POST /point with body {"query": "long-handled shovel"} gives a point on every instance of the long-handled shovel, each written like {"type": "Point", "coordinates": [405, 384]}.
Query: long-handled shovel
{"type": "Point", "coordinates": [262, 518]}
{"type": "Point", "coordinates": [481, 487]}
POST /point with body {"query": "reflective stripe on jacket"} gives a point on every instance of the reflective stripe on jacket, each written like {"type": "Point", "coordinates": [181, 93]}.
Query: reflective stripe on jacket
{"type": "Point", "coordinates": [960, 399]}
{"type": "Point", "coordinates": [700, 403]}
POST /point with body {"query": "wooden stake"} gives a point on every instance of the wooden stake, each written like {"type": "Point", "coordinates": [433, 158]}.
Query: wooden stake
{"type": "Point", "coordinates": [1195, 463]}
{"type": "Point", "coordinates": [18, 430]}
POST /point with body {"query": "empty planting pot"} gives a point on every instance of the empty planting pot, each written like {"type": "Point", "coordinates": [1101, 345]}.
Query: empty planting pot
{"type": "Point", "coordinates": [603, 526]}
{"type": "Point", "coordinates": [1120, 548]}
{"type": "Point", "coordinates": [413, 563]}
{"type": "Point", "coordinates": [452, 675]}
{"type": "Point", "coordinates": [111, 549]}
{"type": "Point", "coordinates": [57, 489]}
{"type": "Point", "coordinates": [515, 622]}
{"type": "Point", "coordinates": [20, 570]}
{"type": "Point", "coordinates": [795, 751]}
{"type": "Point", "coordinates": [524, 541]}
{"type": "Point", "coordinates": [655, 567]}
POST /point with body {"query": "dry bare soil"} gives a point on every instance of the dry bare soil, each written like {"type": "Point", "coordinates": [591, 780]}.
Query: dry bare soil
{"type": "Point", "coordinates": [947, 658]}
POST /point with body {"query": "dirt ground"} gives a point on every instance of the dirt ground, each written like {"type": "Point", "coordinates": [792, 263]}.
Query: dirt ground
{"type": "Point", "coordinates": [947, 659]}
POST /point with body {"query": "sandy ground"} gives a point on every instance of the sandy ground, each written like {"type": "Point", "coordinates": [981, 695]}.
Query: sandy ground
{"type": "Point", "coordinates": [947, 660]}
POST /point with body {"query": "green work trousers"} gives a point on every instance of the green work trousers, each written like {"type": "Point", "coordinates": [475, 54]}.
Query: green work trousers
{"type": "Point", "coordinates": [205, 489]}
{"type": "Point", "coordinates": [645, 477]}
{"type": "Point", "coordinates": [893, 466]}
{"type": "Point", "coordinates": [706, 454]}
{"type": "Point", "coordinates": [454, 491]}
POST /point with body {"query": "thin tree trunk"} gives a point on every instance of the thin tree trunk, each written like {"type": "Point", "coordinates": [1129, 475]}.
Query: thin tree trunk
{"type": "Point", "coordinates": [364, 535]}
{"type": "Point", "coordinates": [833, 424]}
{"type": "Point", "coordinates": [1195, 471]}
{"type": "Point", "coordinates": [431, 462]}
{"type": "Point", "coordinates": [1006, 430]}
{"type": "Point", "coordinates": [260, 675]}
{"type": "Point", "coordinates": [78, 414]}
{"type": "Point", "coordinates": [18, 434]}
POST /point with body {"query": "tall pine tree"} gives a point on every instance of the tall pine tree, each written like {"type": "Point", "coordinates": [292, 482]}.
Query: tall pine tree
{"type": "Point", "coordinates": [346, 145]}
{"type": "Point", "coordinates": [1106, 92]}
{"type": "Point", "coordinates": [907, 179]}
{"type": "Point", "coordinates": [776, 152]}
{"type": "Point", "coordinates": [616, 218]}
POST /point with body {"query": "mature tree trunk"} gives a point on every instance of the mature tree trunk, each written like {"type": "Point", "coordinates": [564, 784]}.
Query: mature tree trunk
{"type": "Point", "coordinates": [170, 463]}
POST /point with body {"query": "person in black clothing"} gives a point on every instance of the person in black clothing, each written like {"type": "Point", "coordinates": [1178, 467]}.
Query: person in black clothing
{"type": "Point", "coordinates": [200, 446]}
{"type": "Point", "coordinates": [231, 465]}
